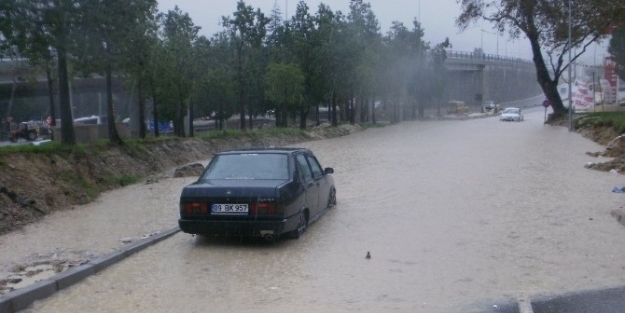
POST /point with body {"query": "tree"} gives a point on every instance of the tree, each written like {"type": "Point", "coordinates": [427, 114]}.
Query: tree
{"type": "Point", "coordinates": [545, 23]}
{"type": "Point", "coordinates": [617, 49]}
{"type": "Point", "coordinates": [303, 52]}
{"type": "Point", "coordinates": [40, 30]}
{"type": "Point", "coordinates": [364, 40]}
{"type": "Point", "coordinates": [404, 47]}
{"type": "Point", "coordinates": [328, 38]}
{"type": "Point", "coordinates": [285, 87]}
{"type": "Point", "coordinates": [222, 87]}
{"type": "Point", "coordinates": [137, 54]}
{"type": "Point", "coordinates": [179, 33]}
{"type": "Point", "coordinates": [19, 38]}
{"type": "Point", "coordinates": [432, 78]}
{"type": "Point", "coordinates": [107, 28]}
{"type": "Point", "coordinates": [247, 31]}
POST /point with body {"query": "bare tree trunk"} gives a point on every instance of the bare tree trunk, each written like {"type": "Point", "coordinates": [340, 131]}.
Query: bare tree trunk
{"type": "Point", "coordinates": [110, 110]}
{"type": "Point", "coordinates": [548, 85]}
{"type": "Point", "coordinates": [318, 122]}
{"type": "Point", "coordinates": [154, 109]}
{"type": "Point", "coordinates": [191, 118]}
{"type": "Point", "coordinates": [302, 119]}
{"type": "Point", "coordinates": [335, 122]}
{"type": "Point", "coordinates": [373, 109]}
{"type": "Point", "coordinates": [51, 97]}
{"type": "Point", "coordinates": [68, 137]}
{"type": "Point", "coordinates": [179, 119]}
{"type": "Point", "coordinates": [142, 130]}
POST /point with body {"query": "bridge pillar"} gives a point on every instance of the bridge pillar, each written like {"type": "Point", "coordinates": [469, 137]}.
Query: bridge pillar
{"type": "Point", "coordinates": [486, 93]}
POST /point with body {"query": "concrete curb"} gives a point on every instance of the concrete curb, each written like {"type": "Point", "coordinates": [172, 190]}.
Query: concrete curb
{"type": "Point", "coordinates": [22, 298]}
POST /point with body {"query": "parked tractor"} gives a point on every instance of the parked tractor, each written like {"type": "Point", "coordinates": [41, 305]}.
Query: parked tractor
{"type": "Point", "coordinates": [22, 130]}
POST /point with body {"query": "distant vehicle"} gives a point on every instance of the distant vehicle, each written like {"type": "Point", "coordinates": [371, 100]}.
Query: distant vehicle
{"type": "Point", "coordinates": [511, 114]}
{"type": "Point", "coordinates": [457, 107]}
{"type": "Point", "coordinates": [91, 120]}
{"type": "Point", "coordinates": [264, 193]}
{"type": "Point", "coordinates": [490, 106]}
{"type": "Point", "coordinates": [22, 130]}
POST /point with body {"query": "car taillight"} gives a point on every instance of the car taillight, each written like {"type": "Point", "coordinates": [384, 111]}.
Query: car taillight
{"type": "Point", "coordinates": [195, 208]}
{"type": "Point", "coordinates": [257, 208]}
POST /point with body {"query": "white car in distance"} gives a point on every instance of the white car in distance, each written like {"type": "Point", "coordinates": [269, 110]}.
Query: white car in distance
{"type": "Point", "coordinates": [511, 115]}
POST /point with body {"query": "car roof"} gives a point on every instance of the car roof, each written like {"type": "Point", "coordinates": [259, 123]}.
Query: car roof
{"type": "Point", "coordinates": [266, 150]}
{"type": "Point", "coordinates": [511, 108]}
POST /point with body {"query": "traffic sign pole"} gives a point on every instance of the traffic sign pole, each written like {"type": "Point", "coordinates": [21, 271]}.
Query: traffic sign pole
{"type": "Point", "coordinates": [546, 104]}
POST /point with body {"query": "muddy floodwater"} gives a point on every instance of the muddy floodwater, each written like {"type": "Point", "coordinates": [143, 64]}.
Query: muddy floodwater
{"type": "Point", "coordinates": [457, 216]}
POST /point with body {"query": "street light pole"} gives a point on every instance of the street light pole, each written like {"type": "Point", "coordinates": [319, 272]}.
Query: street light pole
{"type": "Point", "coordinates": [482, 41]}
{"type": "Point", "coordinates": [570, 91]}
{"type": "Point", "coordinates": [496, 34]}
{"type": "Point", "coordinates": [497, 44]}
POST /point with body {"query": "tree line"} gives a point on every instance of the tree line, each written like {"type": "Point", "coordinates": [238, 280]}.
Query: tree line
{"type": "Point", "coordinates": [255, 64]}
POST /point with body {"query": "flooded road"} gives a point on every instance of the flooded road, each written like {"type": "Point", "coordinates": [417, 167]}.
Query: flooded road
{"type": "Point", "coordinates": [457, 216]}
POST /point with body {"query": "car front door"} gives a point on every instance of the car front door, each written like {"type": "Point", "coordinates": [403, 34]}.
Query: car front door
{"type": "Point", "coordinates": [311, 187]}
{"type": "Point", "coordinates": [322, 182]}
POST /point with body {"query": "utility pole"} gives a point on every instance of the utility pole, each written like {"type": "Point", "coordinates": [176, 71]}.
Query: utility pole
{"type": "Point", "coordinates": [482, 41]}
{"type": "Point", "coordinates": [570, 67]}
{"type": "Point", "coordinates": [496, 34]}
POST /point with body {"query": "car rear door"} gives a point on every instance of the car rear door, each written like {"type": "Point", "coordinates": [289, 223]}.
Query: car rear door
{"type": "Point", "coordinates": [311, 187]}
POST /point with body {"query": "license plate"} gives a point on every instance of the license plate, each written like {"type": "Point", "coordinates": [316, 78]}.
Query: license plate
{"type": "Point", "coordinates": [229, 209]}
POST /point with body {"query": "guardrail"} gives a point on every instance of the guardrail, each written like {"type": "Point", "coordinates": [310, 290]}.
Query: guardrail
{"type": "Point", "coordinates": [451, 54]}
{"type": "Point", "coordinates": [525, 103]}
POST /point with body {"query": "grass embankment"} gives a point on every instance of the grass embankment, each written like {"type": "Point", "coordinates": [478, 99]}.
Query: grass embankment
{"type": "Point", "coordinates": [37, 180]}
{"type": "Point", "coordinates": [134, 148]}
{"type": "Point", "coordinates": [610, 120]}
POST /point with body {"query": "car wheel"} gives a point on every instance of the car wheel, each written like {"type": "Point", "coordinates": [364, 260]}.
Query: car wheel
{"type": "Point", "coordinates": [32, 136]}
{"type": "Point", "coordinates": [332, 198]}
{"type": "Point", "coordinates": [301, 226]}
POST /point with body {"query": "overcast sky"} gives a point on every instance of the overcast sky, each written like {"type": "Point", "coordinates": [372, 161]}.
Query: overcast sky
{"type": "Point", "coordinates": [436, 16]}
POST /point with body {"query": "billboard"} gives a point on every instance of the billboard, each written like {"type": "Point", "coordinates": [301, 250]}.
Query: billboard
{"type": "Point", "coordinates": [582, 96]}
{"type": "Point", "coordinates": [612, 78]}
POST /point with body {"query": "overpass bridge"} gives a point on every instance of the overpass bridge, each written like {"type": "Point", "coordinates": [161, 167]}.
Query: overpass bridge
{"type": "Point", "coordinates": [476, 77]}
{"type": "Point", "coordinates": [471, 77]}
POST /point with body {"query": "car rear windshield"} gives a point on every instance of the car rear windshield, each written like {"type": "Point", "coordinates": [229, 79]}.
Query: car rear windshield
{"type": "Point", "coordinates": [248, 166]}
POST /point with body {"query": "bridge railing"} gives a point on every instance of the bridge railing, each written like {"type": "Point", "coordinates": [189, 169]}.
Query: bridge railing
{"type": "Point", "coordinates": [451, 54]}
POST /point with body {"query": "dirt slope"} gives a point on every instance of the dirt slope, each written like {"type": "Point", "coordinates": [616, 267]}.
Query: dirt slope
{"type": "Point", "coordinates": [35, 184]}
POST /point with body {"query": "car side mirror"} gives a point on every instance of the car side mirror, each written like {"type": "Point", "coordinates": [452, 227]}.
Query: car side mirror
{"type": "Point", "coordinates": [328, 170]}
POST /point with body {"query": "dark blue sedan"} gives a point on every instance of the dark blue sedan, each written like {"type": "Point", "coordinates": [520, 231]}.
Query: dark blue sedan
{"type": "Point", "coordinates": [265, 193]}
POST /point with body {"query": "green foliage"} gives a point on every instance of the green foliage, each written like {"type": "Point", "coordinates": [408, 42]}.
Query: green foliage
{"type": "Point", "coordinates": [617, 49]}
{"type": "Point", "coordinates": [126, 180]}
{"type": "Point", "coordinates": [47, 148]}
{"type": "Point", "coordinates": [90, 189]}
{"type": "Point", "coordinates": [329, 58]}
{"type": "Point", "coordinates": [616, 120]}
{"type": "Point", "coordinates": [285, 86]}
